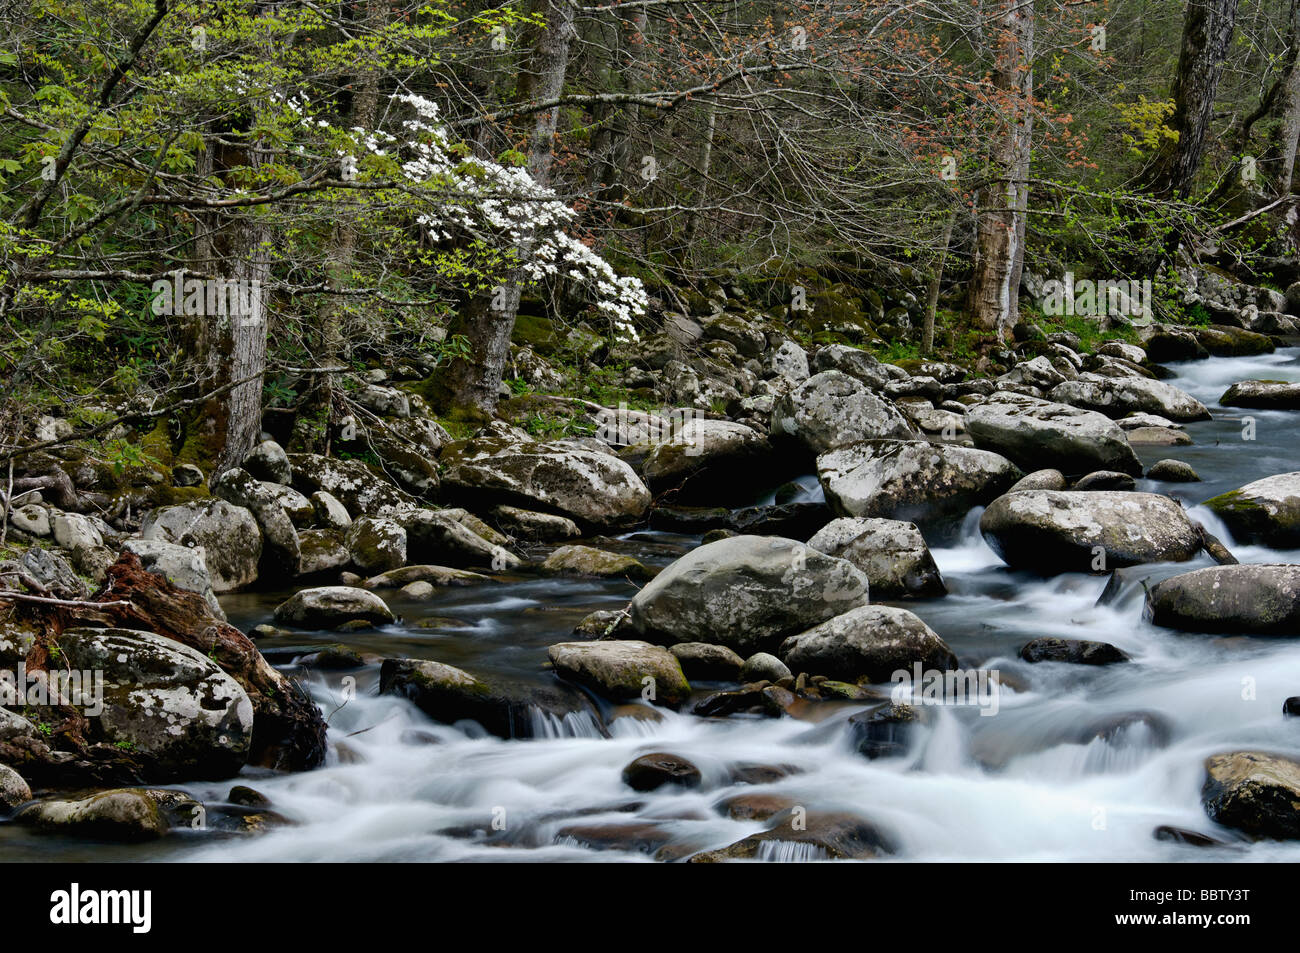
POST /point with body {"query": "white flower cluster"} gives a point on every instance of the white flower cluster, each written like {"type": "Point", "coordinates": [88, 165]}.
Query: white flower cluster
{"type": "Point", "coordinates": [529, 217]}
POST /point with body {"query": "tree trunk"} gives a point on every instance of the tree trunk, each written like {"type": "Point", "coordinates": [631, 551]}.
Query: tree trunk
{"type": "Point", "coordinates": [1207, 30]}
{"type": "Point", "coordinates": [471, 384]}
{"type": "Point", "coordinates": [932, 292]}
{"type": "Point", "coordinates": [1000, 222]}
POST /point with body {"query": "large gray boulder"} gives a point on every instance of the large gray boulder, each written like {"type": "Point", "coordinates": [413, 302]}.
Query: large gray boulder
{"type": "Point", "coordinates": [1248, 598]}
{"type": "Point", "coordinates": [279, 536]}
{"type": "Point", "coordinates": [594, 489]}
{"type": "Point", "coordinates": [359, 488]}
{"type": "Point", "coordinates": [832, 409]}
{"type": "Point", "coordinates": [1118, 396]}
{"type": "Point", "coordinates": [1267, 395]}
{"type": "Point", "coordinates": [171, 706]}
{"type": "Point", "coordinates": [892, 553]}
{"type": "Point", "coordinates": [228, 534]}
{"type": "Point", "coordinates": [437, 537]}
{"type": "Point", "coordinates": [376, 544]}
{"type": "Point", "coordinates": [619, 669]}
{"type": "Point", "coordinates": [328, 607]}
{"type": "Point", "coordinates": [1266, 511]}
{"type": "Point", "coordinates": [1087, 531]}
{"type": "Point", "coordinates": [747, 593]}
{"type": "Point", "coordinates": [932, 485]}
{"type": "Point", "coordinates": [852, 361]}
{"type": "Point", "coordinates": [1036, 434]}
{"type": "Point", "coordinates": [268, 461]}
{"type": "Point", "coordinates": [867, 644]}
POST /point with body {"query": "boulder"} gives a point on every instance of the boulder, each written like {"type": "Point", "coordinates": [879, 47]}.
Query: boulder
{"type": "Point", "coordinates": [268, 461]}
{"type": "Point", "coordinates": [1266, 511]}
{"type": "Point", "coordinates": [763, 667]}
{"type": "Point", "coordinates": [1036, 433]}
{"type": "Point", "coordinates": [622, 670]}
{"type": "Point", "coordinates": [868, 644]}
{"type": "Point", "coordinates": [707, 662]}
{"type": "Point", "coordinates": [438, 538]}
{"type": "Point", "coordinates": [533, 526]}
{"type": "Point", "coordinates": [594, 489]}
{"type": "Point", "coordinates": [1051, 531]}
{"type": "Point", "coordinates": [362, 490]}
{"type": "Point", "coordinates": [589, 561]}
{"type": "Point", "coordinates": [322, 550]}
{"type": "Point", "coordinates": [171, 706]}
{"type": "Point", "coordinates": [229, 536]}
{"type": "Point", "coordinates": [13, 789]}
{"type": "Point", "coordinates": [1267, 395]}
{"type": "Point", "coordinates": [1075, 651]}
{"type": "Point", "coordinates": [1250, 598]}
{"type": "Point", "coordinates": [279, 537]}
{"type": "Point", "coordinates": [328, 607]}
{"type": "Point", "coordinates": [505, 707]}
{"type": "Point", "coordinates": [1254, 792]}
{"type": "Point", "coordinates": [32, 519]}
{"type": "Point", "coordinates": [123, 814]}
{"type": "Point", "coordinates": [705, 459]}
{"type": "Point", "coordinates": [1048, 479]}
{"type": "Point", "coordinates": [1118, 396]}
{"type": "Point", "coordinates": [435, 575]}
{"type": "Point", "coordinates": [330, 513]}
{"type": "Point", "coordinates": [1173, 471]}
{"type": "Point", "coordinates": [747, 593]}
{"type": "Point", "coordinates": [652, 771]}
{"type": "Point", "coordinates": [832, 409]}
{"type": "Point", "coordinates": [932, 485]}
{"type": "Point", "coordinates": [891, 553]}
{"type": "Point", "coordinates": [854, 362]}
{"type": "Point", "coordinates": [806, 835]}
{"type": "Point", "coordinates": [1157, 437]}
{"type": "Point", "coordinates": [1105, 480]}
{"type": "Point", "coordinates": [376, 544]}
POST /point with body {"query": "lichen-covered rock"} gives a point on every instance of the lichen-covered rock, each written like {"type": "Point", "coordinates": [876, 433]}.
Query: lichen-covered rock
{"type": "Point", "coordinates": [1254, 792]}
{"type": "Point", "coordinates": [747, 593]}
{"type": "Point", "coordinates": [594, 489]}
{"type": "Point", "coordinates": [229, 535]}
{"type": "Point", "coordinates": [932, 485]}
{"type": "Point", "coordinates": [1051, 531]}
{"type": "Point", "coordinates": [1248, 598]}
{"type": "Point", "coordinates": [1117, 397]}
{"type": "Point", "coordinates": [869, 643]}
{"type": "Point", "coordinates": [853, 361]}
{"type": "Point", "coordinates": [832, 409]}
{"type": "Point", "coordinates": [1173, 471]}
{"type": "Point", "coordinates": [619, 670]}
{"type": "Point", "coordinates": [13, 789]}
{"type": "Point", "coordinates": [279, 536]}
{"type": "Point", "coordinates": [173, 707]}
{"type": "Point", "coordinates": [328, 607]}
{"type": "Point", "coordinates": [1266, 511]}
{"type": "Point", "coordinates": [590, 561]}
{"type": "Point", "coordinates": [330, 513]}
{"type": "Point", "coordinates": [322, 550]}
{"type": "Point", "coordinates": [434, 575]}
{"type": "Point", "coordinates": [1035, 433]}
{"type": "Point", "coordinates": [763, 667]}
{"type": "Point", "coordinates": [892, 553]}
{"type": "Point", "coordinates": [505, 707]}
{"type": "Point", "coordinates": [376, 544]}
{"type": "Point", "coordinates": [359, 488]}
{"type": "Point", "coordinates": [436, 537]}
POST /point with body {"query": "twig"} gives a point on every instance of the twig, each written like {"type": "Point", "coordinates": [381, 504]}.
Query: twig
{"type": "Point", "coordinates": [65, 603]}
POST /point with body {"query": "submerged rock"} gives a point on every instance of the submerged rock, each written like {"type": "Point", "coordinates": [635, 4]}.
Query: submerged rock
{"type": "Point", "coordinates": [124, 814]}
{"type": "Point", "coordinates": [797, 834]}
{"type": "Point", "coordinates": [1075, 651]}
{"type": "Point", "coordinates": [1049, 531]}
{"type": "Point", "coordinates": [652, 771]}
{"type": "Point", "coordinates": [747, 593]}
{"type": "Point", "coordinates": [590, 561]}
{"type": "Point", "coordinates": [505, 707]}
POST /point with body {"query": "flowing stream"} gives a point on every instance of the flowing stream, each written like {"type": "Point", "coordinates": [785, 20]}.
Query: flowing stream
{"type": "Point", "coordinates": [1020, 785]}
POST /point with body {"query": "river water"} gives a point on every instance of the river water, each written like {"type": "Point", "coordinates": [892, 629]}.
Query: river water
{"type": "Point", "coordinates": [1019, 785]}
